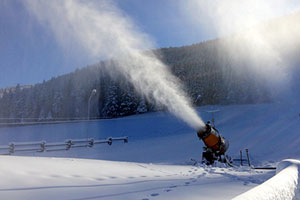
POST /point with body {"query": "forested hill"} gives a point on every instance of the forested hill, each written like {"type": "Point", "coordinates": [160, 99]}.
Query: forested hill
{"type": "Point", "coordinates": [199, 67]}
{"type": "Point", "coordinates": [209, 72]}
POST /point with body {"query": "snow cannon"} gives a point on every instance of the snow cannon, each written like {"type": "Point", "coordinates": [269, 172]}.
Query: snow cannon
{"type": "Point", "coordinates": [215, 144]}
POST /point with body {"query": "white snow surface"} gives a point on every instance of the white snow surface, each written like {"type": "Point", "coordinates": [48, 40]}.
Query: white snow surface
{"type": "Point", "coordinates": [284, 185]}
{"type": "Point", "coordinates": [66, 178]}
{"type": "Point", "coordinates": [155, 163]}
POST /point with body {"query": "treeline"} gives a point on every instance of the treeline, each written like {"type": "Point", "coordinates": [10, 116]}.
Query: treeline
{"type": "Point", "coordinates": [207, 71]}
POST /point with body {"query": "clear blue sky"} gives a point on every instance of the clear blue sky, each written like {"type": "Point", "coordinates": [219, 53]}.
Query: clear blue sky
{"type": "Point", "coordinates": [30, 54]}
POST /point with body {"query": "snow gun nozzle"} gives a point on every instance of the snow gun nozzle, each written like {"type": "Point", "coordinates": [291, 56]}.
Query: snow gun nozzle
{"type": "Point", "coordinates": [201, 132]}
{"type": "Point", "coordinates": [204, 131]}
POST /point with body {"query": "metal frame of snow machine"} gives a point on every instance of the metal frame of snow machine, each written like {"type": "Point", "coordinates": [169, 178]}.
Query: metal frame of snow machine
{"type": "Point", "coordinates": [215, 145]}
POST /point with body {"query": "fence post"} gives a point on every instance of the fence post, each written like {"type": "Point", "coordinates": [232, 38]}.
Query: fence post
{"type": "Point", "coordinates": [91, 143]}
{"type": "Point", "coordinates": [11, 148]}
{"type": "Point", "coordinates": [43, 147]}
{"type": "Point", "coordinates": [69, 145]}
{"type": "Point", "coordinates": [241, 157]}
{"type": "Point", "coordinates": [109, 141]}
{"type": "Point", "coordinates": [247, 153]}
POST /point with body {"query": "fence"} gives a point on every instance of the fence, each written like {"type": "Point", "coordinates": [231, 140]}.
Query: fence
{"type": "Point", "coordinates": [43, 146]}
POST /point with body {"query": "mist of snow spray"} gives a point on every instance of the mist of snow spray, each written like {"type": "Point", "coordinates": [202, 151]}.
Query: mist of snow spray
{"type": "Point", "coordinates": [105, 32]}
{"type": "Point", "coordinates": [247, 28]}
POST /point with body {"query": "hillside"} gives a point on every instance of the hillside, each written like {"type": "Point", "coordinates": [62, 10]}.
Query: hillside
{"type": "Point", "coordinates": [220, 71]}
{"type": "Point", "coordinates": [66, 97]}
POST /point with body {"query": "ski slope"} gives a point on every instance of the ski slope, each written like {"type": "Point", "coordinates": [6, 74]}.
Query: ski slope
{"type": "Point", "coordinates": [66, 178]}
{"type": "Point", "coordinates": [155, 163]}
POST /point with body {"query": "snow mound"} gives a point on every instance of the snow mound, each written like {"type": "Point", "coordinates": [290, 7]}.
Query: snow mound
{"type": "Point", "coordinates": [284, 185]}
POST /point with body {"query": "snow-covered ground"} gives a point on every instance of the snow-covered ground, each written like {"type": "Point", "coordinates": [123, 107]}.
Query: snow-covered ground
{"type": "Point", "coordinates": [61, 178]}
{"type": "Point", "coordinates": [282, 186]}
{"type": "Point", "coordinates": [155, 163]}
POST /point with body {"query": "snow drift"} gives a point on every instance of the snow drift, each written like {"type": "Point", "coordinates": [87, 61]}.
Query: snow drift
{"type": "Point", "coordinates": [284, 185]}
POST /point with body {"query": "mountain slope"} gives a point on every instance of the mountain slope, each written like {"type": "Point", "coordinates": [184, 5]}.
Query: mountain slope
{"type": "Point", "coordinates": [237, 69]}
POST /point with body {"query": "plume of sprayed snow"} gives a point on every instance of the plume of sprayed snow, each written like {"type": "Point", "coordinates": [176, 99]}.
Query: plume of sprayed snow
{"type": "Point", "coordinates": [249, 26]}
{"type": "Point", "coordinates": [105, 32]}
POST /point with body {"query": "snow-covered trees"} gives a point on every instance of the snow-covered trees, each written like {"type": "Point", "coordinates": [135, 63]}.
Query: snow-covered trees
{"type": "Point", "coordinates": [206, 70]}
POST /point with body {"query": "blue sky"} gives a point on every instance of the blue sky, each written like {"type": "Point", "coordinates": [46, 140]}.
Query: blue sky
{"type": "Point", "coordinates": [29, 53]}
